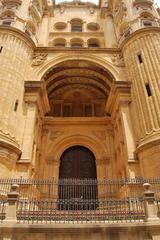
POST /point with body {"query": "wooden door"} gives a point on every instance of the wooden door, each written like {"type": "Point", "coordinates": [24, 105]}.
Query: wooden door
{"type": "Point", "coordinates": [77, 179]}
{"type": "Point", "coordinates": [77, 162]}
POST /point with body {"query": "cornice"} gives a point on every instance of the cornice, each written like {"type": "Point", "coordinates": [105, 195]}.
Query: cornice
{"type": "Point", "coordinates": [35, 92]}
{"type": "Point", "coordinates": [76, 34]}
{"type": "Point", "coordinates": [149, 142]}
{"type": "Point", "coordinates": [10, 147]}
{"type": "Point", "coordinates": [138, 33]}
{"type": "Point", "coordinates": [9, 227]}
{"type": "Point", "coordinates": [77, 121]}
{"type": "Point", "coordinates": [78, 50]}
{"type": "Point", "coordinates": [16, 32]}
{"type": "Point", "coordinates": [119, 95]}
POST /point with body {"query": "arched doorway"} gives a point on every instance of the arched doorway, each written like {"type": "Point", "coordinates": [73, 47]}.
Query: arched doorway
{"type": "Point", "coordinates": [78, 179]}
{"type": "Point", "coordinates": [77, 162]}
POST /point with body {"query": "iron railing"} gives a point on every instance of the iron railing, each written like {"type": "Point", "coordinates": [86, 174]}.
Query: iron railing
{"type": "Point", "coordinates": [78, 200]}
{"type": "Point", "coordinates": [3, 208]}
{"type": "Point", "coordinates": [33, 189]}
{"type": "Point", "coordinates": [85, 211]}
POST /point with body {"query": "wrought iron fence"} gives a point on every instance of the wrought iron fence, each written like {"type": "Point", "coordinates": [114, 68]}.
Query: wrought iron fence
{"type": "Point", "coordinates": [33, 189]}
{"type": "Point", "coordinates": [3, 208]}
{"type": "Point", "coordinates": [79, 200]}
{"type": "Point", "coordinates": [84, 211]}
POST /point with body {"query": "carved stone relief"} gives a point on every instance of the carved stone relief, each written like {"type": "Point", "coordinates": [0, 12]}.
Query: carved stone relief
{"type": "Point", "coordinates": [117, 60]}
{"type": "Point", "coordinates": [39, 58]}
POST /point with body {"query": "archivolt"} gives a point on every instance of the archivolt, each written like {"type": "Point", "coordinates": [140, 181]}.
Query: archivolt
{"type": "Point", "coordinates": [66, 57]}
{"type": "Point", "coordinates": [64, 143]}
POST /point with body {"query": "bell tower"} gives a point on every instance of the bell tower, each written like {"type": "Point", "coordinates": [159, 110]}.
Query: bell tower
{"type": "Point", "coordinates": [138, 32]}
{"type": "Point", "coordinates": [19, 21]}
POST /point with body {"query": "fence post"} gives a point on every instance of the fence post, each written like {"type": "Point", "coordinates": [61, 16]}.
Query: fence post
{"type": "Point", "coordinates": [13, 196]}
{"type": "Point", "coordinates": [149, 204]}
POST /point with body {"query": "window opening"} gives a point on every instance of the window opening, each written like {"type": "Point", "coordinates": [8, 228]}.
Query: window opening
{"type": "Point", "coordinates": [59, 45]}
{"type": "Point", "coordinates": [76, 25]}
{"type": "Point", "coordinates": [1, 49]}
{"type": "Point", "coordinates": [7, 23]}
{"type": "Point", "coordinates": [67, 110]}
{"type": "Point", "coordinates": [16, 106]}
{"type": "Point", "coordinates": [93, 45]}
{"type": "Point", "coordinates": [149, 92]}
{"type": "Point", "coordinates": [140, 58]}
{"type": "Point", "coordinates": [147, 23]}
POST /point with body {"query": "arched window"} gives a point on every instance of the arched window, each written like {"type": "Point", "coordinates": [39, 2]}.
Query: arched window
{"type": "Point", "coordinates": [60, 26]}
{"type": "Point", "coordinates": [93, 26]}
{"type": "Point", "coordinates": [147, 19]}
{"type": "Point", "coordinates": [94, 43]}
{"type": "Point", "coordinates": [59, 42]}
{"type": "Point", "coordinates": [76, 25]}
{"type": "Point", "coordinates": [76, 43]}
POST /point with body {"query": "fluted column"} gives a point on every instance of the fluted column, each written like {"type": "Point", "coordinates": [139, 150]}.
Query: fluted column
{"type": "Point", "coordinates": [142, 74]}
{"type": "Point", "coordinates": [15, 62]}
{"type": "Point", "coordinates": [141, 55]}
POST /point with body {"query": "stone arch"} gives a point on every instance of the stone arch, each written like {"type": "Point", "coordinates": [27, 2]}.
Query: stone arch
{"type": "Point", "coordinates": [67, 57]}
{"type": "Point", "coordinates": [65, 142]}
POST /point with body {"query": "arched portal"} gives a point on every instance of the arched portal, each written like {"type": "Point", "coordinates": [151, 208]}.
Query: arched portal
{"type": "Point", "coordinates": [77, 179]}
{"type": "Point", "coordinates": [77, 162]}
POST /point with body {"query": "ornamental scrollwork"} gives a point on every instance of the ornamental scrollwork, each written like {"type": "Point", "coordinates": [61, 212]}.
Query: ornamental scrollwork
{"type": "Point", "coordinates": [39, 58]}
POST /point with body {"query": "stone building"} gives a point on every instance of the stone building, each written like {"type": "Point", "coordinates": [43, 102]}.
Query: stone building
{"type": "Point", "coordinates": [80, 99]}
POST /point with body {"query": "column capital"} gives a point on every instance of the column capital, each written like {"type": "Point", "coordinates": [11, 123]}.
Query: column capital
{"type": "Point", "coordinates": [119, 95]}
{"type": "Point", "coordinates": [36, 93]}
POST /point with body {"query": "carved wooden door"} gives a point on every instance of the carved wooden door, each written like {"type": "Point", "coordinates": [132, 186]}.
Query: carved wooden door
{"type": "Point", "coordinates": [78, 179]}
{"type": "Point", "coordinates": [77, 162]}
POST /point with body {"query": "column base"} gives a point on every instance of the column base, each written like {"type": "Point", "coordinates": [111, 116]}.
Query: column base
{"type": "Point", "coordinates": [148, 153]}
{"type": "Point", "coordinates": [9, 154]}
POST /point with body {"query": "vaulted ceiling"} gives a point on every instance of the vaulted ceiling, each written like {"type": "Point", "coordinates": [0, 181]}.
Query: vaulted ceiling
{"type": "Point", "coordinates": [77, 74]}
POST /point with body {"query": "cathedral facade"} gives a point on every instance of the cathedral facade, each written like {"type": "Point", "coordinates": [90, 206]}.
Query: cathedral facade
{"type": "Point", "coordinates": [80, 99]}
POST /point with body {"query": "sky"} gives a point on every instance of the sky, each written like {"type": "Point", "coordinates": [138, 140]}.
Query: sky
{"type": "Point", "coordinates": [96, 1]}
{"type": "Point", "coordinates": [158, 2]}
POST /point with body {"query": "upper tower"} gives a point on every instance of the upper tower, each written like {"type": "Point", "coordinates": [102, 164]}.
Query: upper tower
{"type": "Point", "coordinates": [137, 25]}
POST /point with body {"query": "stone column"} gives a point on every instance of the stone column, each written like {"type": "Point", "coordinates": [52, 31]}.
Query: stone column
{"type": "Point", "coordinates": [141, 55]}
{"type": "Point", "coordinates": [28, 139]}
{"type": "Point", "coordinates": [109, 31]}
{"type": "Point", "coordinates": [155, 236]}
{"type": "Point", "coordinates": [149, 204]}
{"type": "Point", "coordinates": [37, 105]}
{"type": "Point", "coordinates": [44, 30]}
{"type": "Point", "coordinates": [118, 106]}
{"type": "Point", "coordinates": [101, 168]}
{"type": "Point", "coordinates": [7, 236]}
{"type": "Point", "coordinates": [15, 62]}
{"type": "Point", "coordinates": [13, 195]}
{"type": "Point", "coordinates": [133, 164]}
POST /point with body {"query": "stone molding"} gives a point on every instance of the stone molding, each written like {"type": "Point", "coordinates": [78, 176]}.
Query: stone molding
{"type": "Point", "coordinates": [36, 93]}
{"type": "Point", "coordinates": [9, 151]}
{"type": "Point", "coordinates": [19, 34]}
{"type": "Point", "coordinates": [119, 95]}
{"type": "Point", "coordinates": [140, 32]}
{"type": "Point", "coordinates": [148, 143]}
